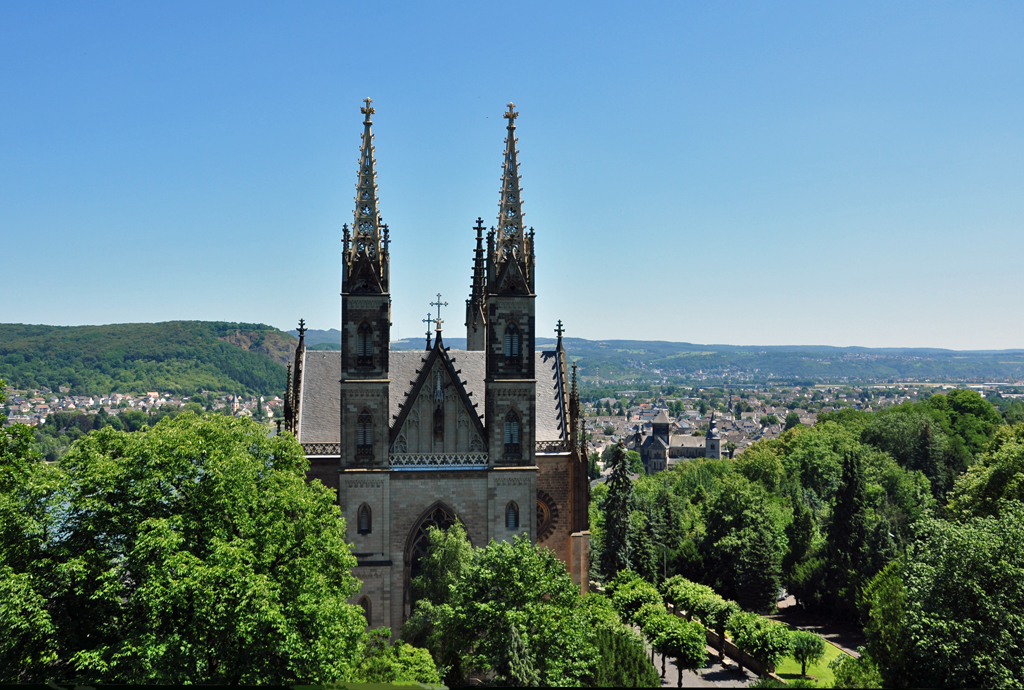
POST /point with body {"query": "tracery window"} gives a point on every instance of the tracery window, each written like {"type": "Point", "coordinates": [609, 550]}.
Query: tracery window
{"type": "Point", "coordinates": [512, 343]}
{"type": "Point", "coordinates": [512, 516]}
{"type": "Point", "coordinates": [364, 520]}
{"type": "Point", "coordinates": [512, 434]}
{"type": "Point", "coordinates": [364, 435]}
{"type": "Point", "coordinates": [364, 346]}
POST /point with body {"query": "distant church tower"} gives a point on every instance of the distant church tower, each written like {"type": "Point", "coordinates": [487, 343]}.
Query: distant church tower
{"type": "Point", "coordinates": [712, 441]}
{"type": "Point", "coordinates": [365, 320]}
{"type": "Point", "coordinates": [509, 299]}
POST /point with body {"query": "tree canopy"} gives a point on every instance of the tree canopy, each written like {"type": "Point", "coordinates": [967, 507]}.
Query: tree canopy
{"type": "Point", "coordinates": [194, 551]}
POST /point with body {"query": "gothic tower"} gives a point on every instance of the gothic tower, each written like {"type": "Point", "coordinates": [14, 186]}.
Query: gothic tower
{"type": "Point", "coordinates": [510, 327]}
{"type": "Point", "coordinates": [365, 321]}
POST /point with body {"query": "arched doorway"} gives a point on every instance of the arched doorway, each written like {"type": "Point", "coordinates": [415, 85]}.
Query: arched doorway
{"type": "Point", "coordinates": [438, 515]}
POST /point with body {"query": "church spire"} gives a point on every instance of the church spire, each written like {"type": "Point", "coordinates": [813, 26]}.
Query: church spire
{"type": "Point", "coordinates": [367, 259]}
{"type": "Point", "coordinates": [513, 244]}
{"type": "Point", "coordinates": [476, 316]}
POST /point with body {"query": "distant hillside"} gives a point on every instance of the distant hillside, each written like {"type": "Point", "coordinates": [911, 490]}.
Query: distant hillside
{"type": "Point", "coordinates": [188, 356]}
{"type": "Point", "coordinates": [320, 340]}
{"type": "Point", "coordinates": [177, 356]}
{"type": "Point", "coordinates": [652, 360]}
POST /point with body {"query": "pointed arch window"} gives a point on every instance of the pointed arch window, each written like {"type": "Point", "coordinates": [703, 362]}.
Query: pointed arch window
{"type": "Point", "coordinates": [364, 520]}
{"type": "Point", "coordinates": [364, 603]}
{"type": "Point", "coordinates": [512, 434]}
{"type": "Point", "coordinates": [364, 435]}
{"type": "Point", "coordinates": [364, 346]}
{"type": "Point", "coordinates": [512, 516]}
{"type": "Point", "coordinates": [512, 342]}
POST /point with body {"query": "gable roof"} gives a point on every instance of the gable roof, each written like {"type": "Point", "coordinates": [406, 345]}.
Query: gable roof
{"type": "Point", "coordinates": [320, 407]}
{"type": "Point", "coordinates": [438, 354]}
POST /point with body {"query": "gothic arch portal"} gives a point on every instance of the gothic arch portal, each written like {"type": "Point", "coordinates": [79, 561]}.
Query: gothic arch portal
{"type": "Point", "coordinates": [438, 515]}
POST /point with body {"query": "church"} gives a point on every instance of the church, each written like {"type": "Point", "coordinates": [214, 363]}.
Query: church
{"type": "Point", "coordinates": [489, 436]}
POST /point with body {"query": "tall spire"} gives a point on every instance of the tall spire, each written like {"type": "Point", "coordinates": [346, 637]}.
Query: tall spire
{"type": "Point", "coordinates": [368, 246]}
{"type": "Point", "coordinates": [476, 312]}
{"type": "Point", "coordinates": [512, 241]}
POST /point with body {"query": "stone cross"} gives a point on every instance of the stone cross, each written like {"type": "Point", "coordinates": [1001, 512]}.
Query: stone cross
{"type": "Point", "coordinates": [559, 330]}
{"type": "Point", "coordinates": [368, 109]}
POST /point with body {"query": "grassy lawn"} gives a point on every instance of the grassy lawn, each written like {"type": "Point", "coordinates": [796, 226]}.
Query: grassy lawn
{"type": "Point", "coordinates": [789, 669]}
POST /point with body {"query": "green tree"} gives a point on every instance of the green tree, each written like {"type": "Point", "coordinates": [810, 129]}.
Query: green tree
{"type": "Point", "coordinates": [792, 420]}
{"type": "Point", "coordinates": [593, 469]}
{"type": "Point", "coordinates": [686, 643]}
{"type": "Point", "coordinates": [808, 648]}
{"type": "Point", "coordinates": [621, 660]}
{"type": "Point", "coordinates": [716, 613]}
{"type": "Point", "coordinates": [764, 639]}
{"type": "Point", "coordinates": [883, 613]}
{"type": "Point", "coordinates": [636, 464]}
{"type": "Point", "coordinates": [656, 622]}
{"type": "Point", "coordinates": [239, 571]}
{"type": "Point", "coordinates": [998, 477]}
{"type": "Point", "coordinates": [847, 538]}
{"type": "Point", "coordinates": [762, 463]}
{"type": "Point", "coordinates": [447, 563]}
{"type": "Point", "coordinates": [631, 594]}
{"type": "Point", "coordinates": [382, 662]}
{"type": "Point", "coordinates": [769, 420]}
{"type": "Point", "coordinates": [744, 543]}
{"type": "Point", "coordinates": [616, 553]}
{"type": "Point", "coordinates": [854, 673]}
{"type": "Point", "coordinates": [27, 490]}
{"type": "Point", "coordinates": [512, 585]}
{"type": "Point", "coordinates": [964, 584]}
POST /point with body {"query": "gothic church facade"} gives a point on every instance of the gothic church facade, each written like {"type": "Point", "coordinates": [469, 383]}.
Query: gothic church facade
{"type": "Point", "coordinates": [489, 436]}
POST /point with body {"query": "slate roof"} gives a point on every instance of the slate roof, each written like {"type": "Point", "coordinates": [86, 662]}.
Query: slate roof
{"type": "Point", "coordinates": [320, 411]}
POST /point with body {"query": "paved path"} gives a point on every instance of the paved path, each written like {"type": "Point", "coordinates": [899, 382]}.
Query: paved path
{"type": "Point", "coordinates": [846, 638]}
{"type": "Point", "coordinates": [713, 675]}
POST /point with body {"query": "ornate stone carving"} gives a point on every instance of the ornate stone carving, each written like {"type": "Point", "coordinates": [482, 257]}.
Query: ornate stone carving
{"type": "Point", "coordinates": [322, 449]}
{"type": "Point", "coordinates": [438, 461]}
{"type": "Point", "coordinates": [513, 481]}
{"type": "Point", "coordinates": [364, 483]}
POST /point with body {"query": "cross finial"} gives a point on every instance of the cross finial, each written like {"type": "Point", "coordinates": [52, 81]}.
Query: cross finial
{"type": "Point", "coordinates": [437, 324]}
{"type": "Point", "coordinates": [511, 115]}
{"type": "Point", "coordinates": [302, 327]}
{"type": "Point", "coordinates": [438, 304]}
{"type": "Point", "coordinates": [429, 320]}
{"type": "Point", "coordinates": [367, 109]}
{"type": "Point", "coordinates": [559, 330]}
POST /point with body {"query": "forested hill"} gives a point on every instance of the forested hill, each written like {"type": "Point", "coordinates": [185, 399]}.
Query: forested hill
{"type": "Point", "coordinates": [176, 356]}
{"type": "Point", "coordinates": [651, 360]}
{"type": "Point", "coordinates": [638, 359]}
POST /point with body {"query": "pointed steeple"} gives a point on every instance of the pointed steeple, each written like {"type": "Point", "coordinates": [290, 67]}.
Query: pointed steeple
{"type": "Point", "coordinates": [513, 244]}
{"type": "Point", "coordinates": [476, 312]}
{"type": "Point", "coordinates": [367, 259]}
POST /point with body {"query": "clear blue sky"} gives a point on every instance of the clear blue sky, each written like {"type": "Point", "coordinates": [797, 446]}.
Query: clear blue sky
{"type": "Point", "coordinates": [746, 173]}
